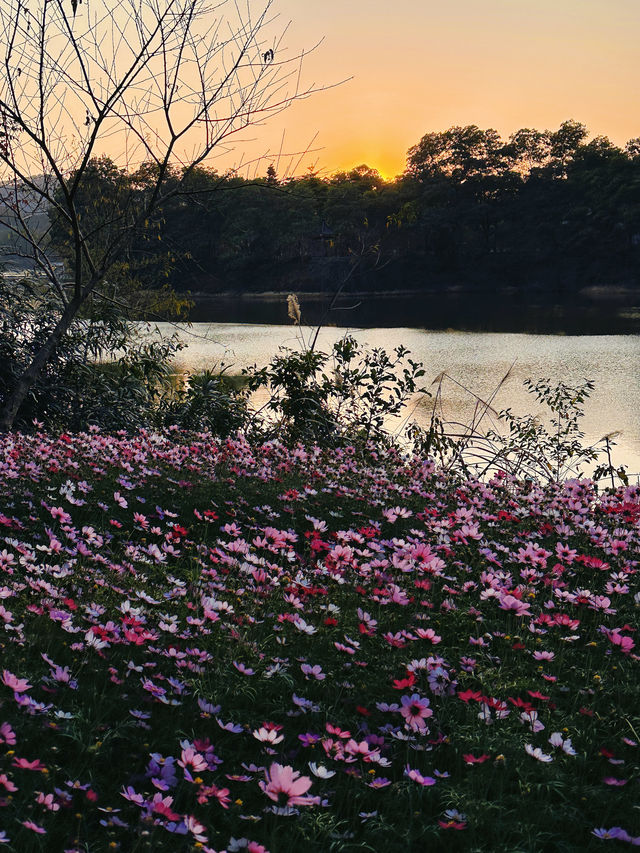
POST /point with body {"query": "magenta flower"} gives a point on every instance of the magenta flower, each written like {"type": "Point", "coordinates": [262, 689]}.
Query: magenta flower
{"type": "Point", "coordinates": [285, 782]}
{"type": "Point", "coordinates": [470, 758]}
{"type": "Point", "coordinates": [162, 806]}
{"type": "Point", "coordinates": [24, 764]}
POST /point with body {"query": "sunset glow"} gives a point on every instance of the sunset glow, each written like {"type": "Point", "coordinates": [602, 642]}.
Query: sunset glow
{"type": "Point", "coordinates": [419, 66]}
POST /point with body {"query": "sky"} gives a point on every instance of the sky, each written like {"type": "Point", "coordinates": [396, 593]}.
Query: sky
{"type": "Point", "coordinates": [415, 66]}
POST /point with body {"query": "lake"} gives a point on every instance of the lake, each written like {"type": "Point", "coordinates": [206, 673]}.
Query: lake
{"type": "Point", "coordinates": [476, 360]}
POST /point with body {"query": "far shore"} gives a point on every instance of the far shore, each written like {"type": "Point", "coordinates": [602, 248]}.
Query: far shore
{"type": "Point", "coordinates": [593, 293]}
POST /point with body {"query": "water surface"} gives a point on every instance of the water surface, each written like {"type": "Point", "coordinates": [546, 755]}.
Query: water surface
{"type": "Point", "coordinates": [474, 359]}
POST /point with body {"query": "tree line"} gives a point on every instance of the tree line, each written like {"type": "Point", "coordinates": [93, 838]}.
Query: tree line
{"type": "Point", "coordinates": [540, 200]}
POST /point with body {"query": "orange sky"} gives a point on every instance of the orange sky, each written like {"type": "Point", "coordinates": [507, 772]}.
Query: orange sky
{"type": "Point", "coordinates": [422, 65]}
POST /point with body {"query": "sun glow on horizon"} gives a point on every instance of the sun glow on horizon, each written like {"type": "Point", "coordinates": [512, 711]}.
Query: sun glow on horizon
{"type": "Point", "coordinates": [418, 67]}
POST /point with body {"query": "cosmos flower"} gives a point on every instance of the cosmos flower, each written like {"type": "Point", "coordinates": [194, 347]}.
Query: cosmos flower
{"type": "Point", "coordinates": [34, 827]}
{"type": "Point", "coordinates": [285, 786]}
{"type": "Point", "coordinates": [6, 783]}
{"type": "Point", "coordinates": [416, 776]}
{"type": "Point", "coordinates": [537, 753]}
{"type": "Point", "coordinates": [7, 735]}
{"type": "Point", "coordinates": [415, 710]}
{"type": "Point", "coordinates": [268, 735]}
{"type": "Point", "coordinates": [313, 671]}
{"type": "Point", "coordinates": [18, 685]}
{"type": "Point", "coordinates": [557, 740]}
{"type": "Point", "coordinates": [321, 771]}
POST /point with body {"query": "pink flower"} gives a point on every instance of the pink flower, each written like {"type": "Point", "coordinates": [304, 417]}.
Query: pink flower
{"type": "Point", "coordinates": [415, 710]}
{"type": "Point", "coordinates": [24, 764]}
{"type": "Point", "coordinates": [285, 781]}
{"type": "Point", "coordinates": [131, 795]}
{"type": "Point", "coordinates": [162, 805]}
{"type": "Point", "coordinates": [58, 512]}
{"type": "Point", "coordinates": [6, 783]}
{"type": "Point", "coordinates": [530, 718]}
{"type": "Point", "coordinates": [313, 671]}
{"type": "Point", "coordinates": [195, 828]}
{"type": "Point", "coordinates": [47, 801]}
{"type": "Point", "coordinates": [625, 643]}
{"type": "Point", "coordinates": [191, 758]}
{"type": "Point", "coordinates": [557, 740]}
{"type": "Point", "coordinates": [34, 826]}
{"type": "Point", "coordinates": [428, 634]}
{"type": "Point", "coordinates": [7, 735]}
{"type": "Point", "coordinates": [362, 749]}
{"type": "Point", "coordinates": [18, 685]}
{"type": "Point", "coordinates": [510, 602]}
{"type": "Point", "coordinates": [221, 794]}
{"type": "Point", "coordinates": [416, 776]}
{"type": "Point", "coordinates": [469, 758]}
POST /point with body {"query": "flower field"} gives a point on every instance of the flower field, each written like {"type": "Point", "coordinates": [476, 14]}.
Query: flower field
{"type": "Point", "coordinates": [212, 646]}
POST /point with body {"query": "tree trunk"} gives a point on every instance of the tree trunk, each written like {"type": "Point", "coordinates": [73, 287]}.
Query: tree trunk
{"type": "Point", "coordinates": [26, 381]}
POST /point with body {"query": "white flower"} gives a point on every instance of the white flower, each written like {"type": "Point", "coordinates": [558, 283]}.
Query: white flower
{"type": "Point", "coordinates": [321, 771]}
{"type": "Point", "coordinates": [537, 753]}
{"type": "Point", "coordinates": [485, 714]}
{"type": "Point", "coordinates": [565, 745]}
{"type": "Point", "coordinates": [270, 736]}
{"type": "Point", "coordinates": [530, 718]}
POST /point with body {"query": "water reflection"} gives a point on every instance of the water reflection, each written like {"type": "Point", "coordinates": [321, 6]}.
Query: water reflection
{"type": "Point", "coordinates": [586, 313]}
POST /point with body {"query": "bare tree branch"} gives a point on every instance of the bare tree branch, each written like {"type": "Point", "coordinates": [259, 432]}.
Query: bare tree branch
{"type": "Point", "coordinates": [160, 82]}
